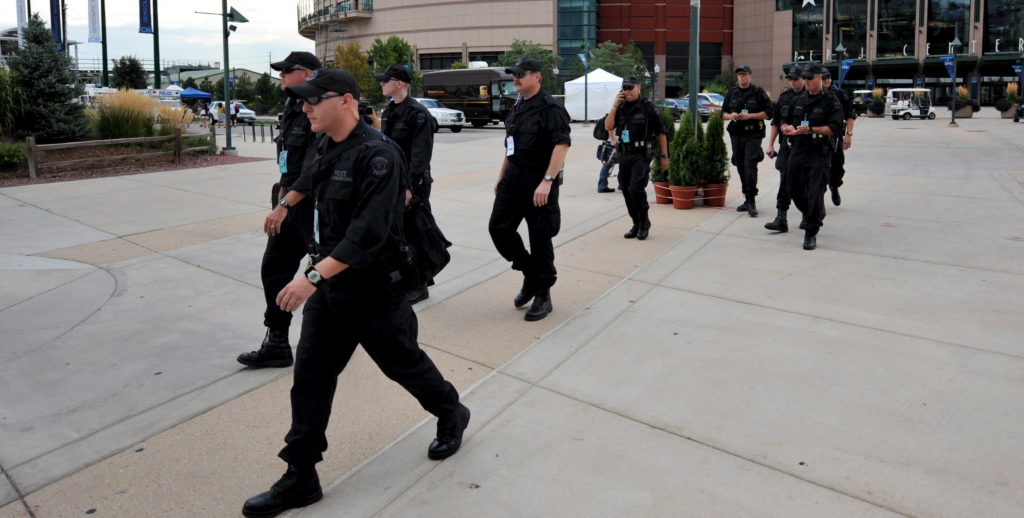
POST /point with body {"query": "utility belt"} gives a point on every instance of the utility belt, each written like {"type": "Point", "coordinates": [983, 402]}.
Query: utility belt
{"type": "Point", "coordinates": [643, 146]}
{"type": "Point", "coordinates": [746, 128]}
{"type": "Point", "coordinates": [822, 143]}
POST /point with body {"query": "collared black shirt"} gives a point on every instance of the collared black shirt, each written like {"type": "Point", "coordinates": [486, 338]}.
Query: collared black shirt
{"type": "Point", "coordinates": [821, 109]}
{"type": "Point", "coordinates": [782, 109]}
{"type": "Point", "coordinates": [753, 99]}
{"type": "Point", "coordinates": [299, 141]}
{"type": "Point", "coordinates": [845, 102]}
{"type": "Point", "coordinates": [643, 121]}
{"type": "Point", "coordinates": [408, 123]}
{"type": "Point", "coordinates": [536, 125]}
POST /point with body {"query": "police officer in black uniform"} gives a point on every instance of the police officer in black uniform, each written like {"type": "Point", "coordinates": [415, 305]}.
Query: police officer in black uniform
{"type": "Point", "coordinates": [536, 142]}
{"type": "Point", "coordinates": [289, 226]}
{"type": "Point", "coordinates": [408, 123]}
{"type": "Point", "coordinates": [835, 178]}
{"type": "Point", "coordinates": [350, 293]}
{"type": "Point", "coordinates": [747, 107]}
{"type": "Point", "coordinates": [816, 119]}
{"type": "Point", "coordinates": [781, 110]}
{"type": "Point", "coordinates": [636, 123]}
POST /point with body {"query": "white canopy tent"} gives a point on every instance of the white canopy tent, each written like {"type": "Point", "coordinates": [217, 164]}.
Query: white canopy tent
{"type": "Point", "coordinates": [597, 91]}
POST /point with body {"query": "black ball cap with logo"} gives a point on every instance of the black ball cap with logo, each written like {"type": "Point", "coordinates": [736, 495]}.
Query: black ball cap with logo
{"type": "Point", "coordinates": [398, 72]}
{"type": "Point", "coordinates": [303, 59]}
{"type": "Point", "coordinates": [326, 80]}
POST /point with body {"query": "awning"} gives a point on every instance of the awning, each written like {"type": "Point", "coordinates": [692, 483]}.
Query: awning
{"type": "Point", "coordinates": [895, 68]}
{"type": "Point", "coordinates": [192, 93]}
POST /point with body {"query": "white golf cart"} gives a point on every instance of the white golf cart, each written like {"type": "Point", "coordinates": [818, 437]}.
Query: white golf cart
{"type": "Point", "coordinates": [907, 103]}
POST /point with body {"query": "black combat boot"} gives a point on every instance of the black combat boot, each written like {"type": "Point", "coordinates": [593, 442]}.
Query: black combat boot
{"type": "Point", "coordinates": [644, 230]}
{"type": "Point", "coordinates": [633, 232]}
{"type": "Point", "coordinates": [417, 295]}
{"type": "Point", "coordinates": [524, 295]}
{"type": "Point", "coordinates": [810, 240]}
{"type": "Point", "coordinates": [751, 207]}
{"type": "Point", "coordinates": [541, 305]}
{"type": "Point", "coordinates": [274, 351]}
{"type": "Point", "coordinates": [779, 224]}
{"type": "Point", "coordinates": [298, 487]}
{"type": "Point", "coordinates": [744, 206]}
{"type": "Point", "coordinates": [449, 434]}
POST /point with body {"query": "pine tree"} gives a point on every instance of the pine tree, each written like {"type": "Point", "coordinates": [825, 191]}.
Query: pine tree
{"type": "Point", "coordinates": [128, 73]}
{"type": "Point", "coordinates": [268, 96]}
{"type": "Point", "coordinates": [46, 89]}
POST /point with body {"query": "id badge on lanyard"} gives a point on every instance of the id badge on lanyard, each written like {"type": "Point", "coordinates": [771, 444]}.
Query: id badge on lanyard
{"type": "Point", "coordinates": [316, 223]}
{"type": "Point", "coordinates": [282, 161]}
{"type": "Point", "coordinates": [510, 146]}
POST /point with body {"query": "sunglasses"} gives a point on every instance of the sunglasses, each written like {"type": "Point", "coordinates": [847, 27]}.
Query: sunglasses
{"type": "Point", "coordinates": [289, 70]}
{"type": "Point", "coordinates": [520, 75]}
{"type": "Point", "coordinates": [626, 88]}
{"type": "Point", "coordinates": [315, 100]}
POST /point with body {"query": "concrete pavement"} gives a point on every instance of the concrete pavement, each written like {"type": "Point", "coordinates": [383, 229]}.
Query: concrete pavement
{"type": "Point", "coordinates": [714, 370]}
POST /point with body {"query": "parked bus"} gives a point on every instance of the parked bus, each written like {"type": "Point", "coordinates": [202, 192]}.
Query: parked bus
{"type": "Point", "coordinates": [485, 95]}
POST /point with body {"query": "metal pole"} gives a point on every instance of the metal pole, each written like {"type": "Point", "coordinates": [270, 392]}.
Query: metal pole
{"type": "Point", "coordinates": [694, 61]}
{"type": "Point", "coordinates": [227, 92]}
{"type": "Point", "coordinates": [956, 96]}
{"type": "Point", "coordinates": [103, 35]}
{"type": "Point", "coordinates": [64, 27]}
{"type": "Point", "coordinates": [156, 47]}
{"type": "Point", "coordinates": [586, 81]}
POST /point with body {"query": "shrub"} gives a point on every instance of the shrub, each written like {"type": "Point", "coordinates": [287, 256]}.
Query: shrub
{"type": "Point", "coordinates": [125, 114]}
{"type": "Point", "coordinates": [7, 102]}
{"type": "Point", "coordinates": [171, 117]}
{"type": "Point", "coordinates": [878, 95]}
{"type": "Point", "coordinates": [1003, 105]}
{"type": "Point", "coordinates": [717, 156]}
{"type": "Point", "coordinates": [686, 154]}
{"type": "Point", "coordinates": [657, 175]}
{"type": "Point", "coordinates": [1013, 93]}
{"type": "Point", "coordinates": [12, 155]}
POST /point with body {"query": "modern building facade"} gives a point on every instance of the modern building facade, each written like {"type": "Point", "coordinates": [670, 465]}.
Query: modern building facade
{"type": "Point", "coordinates": [892, 43]}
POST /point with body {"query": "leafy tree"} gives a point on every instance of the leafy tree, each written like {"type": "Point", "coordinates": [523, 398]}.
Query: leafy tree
{"type": "Point", "coordinates": [268, 96]}
{"type": "Point", "coordinates": [621, 60]}
{"type": "Point", "coordinates": [528, 49]}
{"type": "Point", "coordinates": [7, 102]}
{"type": "Point", "coordinates": [45, 89]}
{"type": "Point", "coordinates": [245, 88]}
{"type": "Point", "coordinates": [352, 58]}
{"type": "Point", "coordinates": [206, 86]}
{"type": "Point", "coordinates": [458, 65]}
{"type": "Point", "coordinates": [128, 73]}
{"type": "Point", "coordinates": [190, 83]}
{"type": "Point", "coordinates": [721, 83]}
{"type": "Point", "coordinates": [385, 53]}
{"type": "Point", "coordinates": [218, 90]}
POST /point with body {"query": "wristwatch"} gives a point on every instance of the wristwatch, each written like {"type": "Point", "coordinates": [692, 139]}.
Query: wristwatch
{"type": "Point", "coordinates": [313, 277]}
{"type": "Point", "coordinates": [284, 203]}
{"type": "Point", "coordinates": [549, 178]}
{"type": "Point", "coordinates": [849, 133]}
{"type": "Point", "coordinates": [663, 155]}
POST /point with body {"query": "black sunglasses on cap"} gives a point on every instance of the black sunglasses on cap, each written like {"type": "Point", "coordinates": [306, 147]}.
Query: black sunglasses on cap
{"type": "Point", "coordinates": [315, 100]}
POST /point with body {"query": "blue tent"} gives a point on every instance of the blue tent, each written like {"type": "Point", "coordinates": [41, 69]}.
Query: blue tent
{"type": "Point", "coordinates": [192, 93]}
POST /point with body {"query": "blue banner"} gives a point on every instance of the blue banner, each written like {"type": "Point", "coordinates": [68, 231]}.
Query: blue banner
{"type": "Point", "coordinates": [950, 63]}
{"type": "Point", "coordinates": [1017, 69]}
{"type": "Point", "coordinates": [145, 17]}
{"type": "Point", "coordinates": [55, 23]}
{"type": "Point", "coordinates": [844, 68]}
{"type": "Point", "coordinates": [583, 58]}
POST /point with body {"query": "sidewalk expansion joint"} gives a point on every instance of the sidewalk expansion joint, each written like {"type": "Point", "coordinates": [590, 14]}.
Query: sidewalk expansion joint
{"type": "Point", "coordinates": [17, 491]}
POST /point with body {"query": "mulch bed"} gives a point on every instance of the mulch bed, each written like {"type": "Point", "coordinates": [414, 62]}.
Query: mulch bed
{"type": "Point", "coordinates": [123, 168]}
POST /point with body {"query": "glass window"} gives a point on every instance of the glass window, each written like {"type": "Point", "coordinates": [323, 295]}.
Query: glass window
{"type": "Point", "coordinates": [850, 36]}
{"type": "Point", "coordinates": [896, 28]}
{"type": "Point", "coordinates": [577, 29]}
{"type": "Point", "coordinates": [1004, 21]}
{"type": "Point", "coordinates": [807, 33]}
{"type": "Point", "coordinates": [948, 20]}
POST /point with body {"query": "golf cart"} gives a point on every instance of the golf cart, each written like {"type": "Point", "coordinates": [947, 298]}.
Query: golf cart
{"type": "Point", "coordinates": [907, 103]}
{"type": "Point", "coordinates": [861, 99]}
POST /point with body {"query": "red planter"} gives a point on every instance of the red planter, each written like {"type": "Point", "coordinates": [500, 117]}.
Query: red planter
{"type": "Point", "coordinates": [683, 196]}
{"type": "Point", "coordinates": [714, 194]}
{"type": "Point", "coordinates": [662, 194]}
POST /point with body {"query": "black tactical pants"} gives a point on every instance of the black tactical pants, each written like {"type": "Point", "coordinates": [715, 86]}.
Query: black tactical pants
{"type": "Point", "coordinates": [782, 199]}
{"type": "Point", "coordinates": [634, 174]}
{"type": "Point", "coordinates": [806, 180]}
{"type": "Point", "coordinates": [282, 259]}
{"type": "Point", "coordinates": [330, 333]}
{"type": "Point", "coordinates": [746, 153]}
{"type": "Point", "coordinates": [514, 203]}
{"type": "Point", "coordinates": [836, 172]}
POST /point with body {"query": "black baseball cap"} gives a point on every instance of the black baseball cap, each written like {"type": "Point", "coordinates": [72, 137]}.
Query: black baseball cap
{"type": "Point", "coordinates": [812, 69]}
{"type": "Point", "coordinates": [524, 65]}
{"type": "Point", "coordinates": [398, 72]}
{"type": "Point", "coordinates": [745, 69]}
{"type": "Point", "coordinates": [630, 81]}
{"type": "Point", "coordinates": [302, 59]}
{"type": "Point", "coordinates": [794, 73]}
{"type": "Point", "coordinates": [825, 73]}
{"type": "Point", "coordinates": [326, 80]}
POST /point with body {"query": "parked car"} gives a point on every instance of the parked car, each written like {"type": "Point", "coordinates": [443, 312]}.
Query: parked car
{"type": "Point", "coordinates": [704, 106]}
{"type": "Point", "coordinates": [672, 105]}
{"type": "Point", "coordinates": [443, 117]}
{"type": "Point", "coordinates": [718, 99]}
{"type": "Point", "coordinates": [245, 115]}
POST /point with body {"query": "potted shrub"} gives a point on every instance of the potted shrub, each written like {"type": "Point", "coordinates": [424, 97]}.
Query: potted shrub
{"type": "Point", "coordinates": [1008, 105]}
{"type": "Point", "coordinates": [963, 105]}
{"type": "Point", "coordinates": [659, 178]}
{"type": "Point", "coordinates": [876, 108]}
{"type": "Point", "coordinates": [716, 163]}
{"type": "Point", "coordinates": [685, 162]}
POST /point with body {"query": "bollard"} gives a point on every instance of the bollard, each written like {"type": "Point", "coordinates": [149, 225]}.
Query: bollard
{"type": "Point", "coordinates": [30, 154]}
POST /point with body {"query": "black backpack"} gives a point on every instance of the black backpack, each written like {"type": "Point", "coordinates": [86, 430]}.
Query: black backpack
{"type": "Point", "coordinates": [423, 248]}
{"type": "Point", "coordinates": [599, 132]}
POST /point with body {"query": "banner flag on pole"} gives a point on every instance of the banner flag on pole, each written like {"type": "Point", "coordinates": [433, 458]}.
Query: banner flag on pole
{"type": "Point", "coordinates": [145, 17]}
{"type": "Point", "coordinates": [55, 24]}
{"type": "Point", "coordinates": [950, 63]}
{"type": "Point", "coordinates": [583, 58]}
{"type": "Point", "coordinates": [844, 68]}
{"type": "Point", "coordinates": [22, 22]}
{"type": "Point", "coordinates": [94, 21]}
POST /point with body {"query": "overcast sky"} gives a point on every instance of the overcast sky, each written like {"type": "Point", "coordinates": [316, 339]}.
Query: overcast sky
{"type": "Point", "coordinates": [272, 31]}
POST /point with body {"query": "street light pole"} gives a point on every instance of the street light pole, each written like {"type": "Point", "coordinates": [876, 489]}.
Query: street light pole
{"type": "Point", "coordinates": [227, 89]}
{"type": "Point", "coordinates": [156, 46]}
{"type": "Point", "coordinates": [103, 44]}
{"type": "Point", "coordinates": [694, 61]}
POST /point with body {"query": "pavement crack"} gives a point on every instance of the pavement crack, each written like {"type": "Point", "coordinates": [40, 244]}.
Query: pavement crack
{"type": "Point", "coordinates": [18, 492]}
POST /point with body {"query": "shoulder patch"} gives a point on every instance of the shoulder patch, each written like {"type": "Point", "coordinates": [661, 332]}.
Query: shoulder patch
{"type": "Point", "coordinates": [380, 166]}
{"type": "Point", "coordinates": [421, 118]}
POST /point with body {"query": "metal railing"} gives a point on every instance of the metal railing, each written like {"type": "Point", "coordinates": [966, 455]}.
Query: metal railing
{"type": "Point", "coordinates": [310, 14]}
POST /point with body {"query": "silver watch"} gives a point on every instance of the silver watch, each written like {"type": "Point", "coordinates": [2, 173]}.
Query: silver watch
{"type": "Point", "coordinates": [284, 203]}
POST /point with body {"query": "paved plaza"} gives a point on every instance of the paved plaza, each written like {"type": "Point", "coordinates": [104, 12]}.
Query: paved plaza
{"type": "Point", "coordinates": [716, 369]}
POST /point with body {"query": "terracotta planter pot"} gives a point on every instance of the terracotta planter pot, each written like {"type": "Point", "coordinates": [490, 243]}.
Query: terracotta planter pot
{"type": "Point", "coordinates": [873, 115]}
{"type": "Point", "coordinates": [683, 196]}
{"type": "Point", "coordinates": [714, 194]}
{"type": "Point", "coordinates": [662, 194]}
{"type": "Point", "coordinates": [965, 113]}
